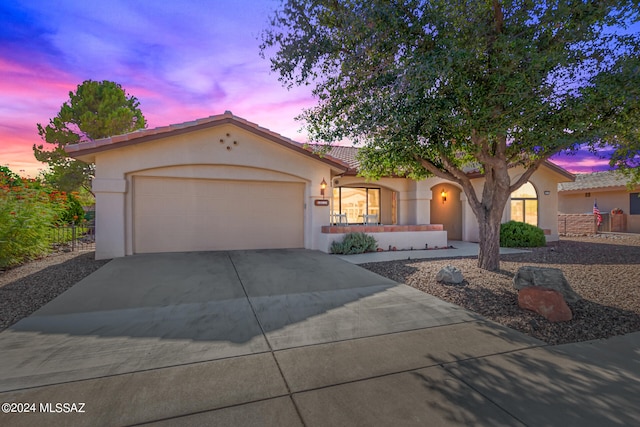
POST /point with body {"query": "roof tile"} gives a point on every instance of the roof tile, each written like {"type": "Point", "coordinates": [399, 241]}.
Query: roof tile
{"type": "Point", "coordinates": [594, 180]}
{"type": "Point", "coordinates": [346, 155]}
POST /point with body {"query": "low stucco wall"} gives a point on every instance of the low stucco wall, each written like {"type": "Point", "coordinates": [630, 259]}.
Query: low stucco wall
{"type": "Point", "coordinates": [400, 240]}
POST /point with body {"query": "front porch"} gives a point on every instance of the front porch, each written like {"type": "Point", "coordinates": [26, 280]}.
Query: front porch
{"type": "Point", "coordinates": [400, 237]}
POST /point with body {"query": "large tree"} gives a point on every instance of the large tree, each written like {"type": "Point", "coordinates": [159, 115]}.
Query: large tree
{"type": "Point", "coordinates": [441, 87]}
{"type": "Point", "coordinates": [95, 110]}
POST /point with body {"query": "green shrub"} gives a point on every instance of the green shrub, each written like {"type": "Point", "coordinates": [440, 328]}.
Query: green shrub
{"type": "Point", "coordinates": [354, 243]}
{"type": "Point", "coordinates": [27, 212]}
{"type": "Point", "coordinates": [25, 225]}
{"type": "Point", "coordinates": [73, 212]}
{"type": "Point", "coordinates": [514, 234]}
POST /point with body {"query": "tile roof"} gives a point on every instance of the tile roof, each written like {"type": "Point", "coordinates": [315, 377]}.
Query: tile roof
{"type": "Point", "coordinates": [346, 154]}
{"type": "Point", "coordinates": [590, 181]}
{"type": "Point", "coordinates": [89, 148]}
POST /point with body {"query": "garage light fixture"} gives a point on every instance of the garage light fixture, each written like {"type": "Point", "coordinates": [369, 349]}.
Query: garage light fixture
{"type": "Point", "coordinates": [323, 186]}
{"type": "Point", "coordinates": [443, 194]}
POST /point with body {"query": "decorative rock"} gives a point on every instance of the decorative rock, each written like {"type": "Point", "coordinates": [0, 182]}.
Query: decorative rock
{"type": "Point", "coordinates": [546, 302]}
{"type": "Point", "coordinates": [550, 278]}
{"type": "Point", "coordinates": [450, 274]}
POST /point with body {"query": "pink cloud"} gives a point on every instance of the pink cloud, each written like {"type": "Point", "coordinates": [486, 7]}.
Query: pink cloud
{"type": "Point", "coordinates": [581, 162]}
{"type": "Point", "coordinates": [29, 95]}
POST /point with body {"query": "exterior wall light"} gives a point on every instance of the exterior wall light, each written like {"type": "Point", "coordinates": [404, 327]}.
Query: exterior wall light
{"type": "Point", "coordinates": [443, 194]}
{"type": "Point", "coordinates": [323, 186]}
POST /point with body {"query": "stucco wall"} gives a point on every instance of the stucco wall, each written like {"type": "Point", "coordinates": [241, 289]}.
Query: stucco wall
{"type": "Point", "coordinates": [543, 180]}
{"type": "Point", "coordinates": [575, 202]}
{"type": "Point", "coordinates": [447, 212]}
{"type": "Point", "coordinates": [225, 151]}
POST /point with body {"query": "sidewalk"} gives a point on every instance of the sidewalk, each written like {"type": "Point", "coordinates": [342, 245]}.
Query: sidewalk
{"type": "Point", "coordinates": [455, 249]}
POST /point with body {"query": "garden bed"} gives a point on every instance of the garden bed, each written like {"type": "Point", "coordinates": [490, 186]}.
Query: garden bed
{"type": "Point", "coordinates": [603, 269]}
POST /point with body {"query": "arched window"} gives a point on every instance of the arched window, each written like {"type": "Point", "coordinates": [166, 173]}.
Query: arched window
{"type": "Point", "coordinates": [524, 204]}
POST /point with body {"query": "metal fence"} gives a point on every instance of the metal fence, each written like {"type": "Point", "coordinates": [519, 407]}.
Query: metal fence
{"type": "Point", "coordinates": [73, 237]}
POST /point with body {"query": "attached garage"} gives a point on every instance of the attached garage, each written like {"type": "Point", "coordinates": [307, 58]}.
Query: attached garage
{"type": "Point", "coordinates": [179, 215]}
{"type": "Point", "coordinates": [219, 183]}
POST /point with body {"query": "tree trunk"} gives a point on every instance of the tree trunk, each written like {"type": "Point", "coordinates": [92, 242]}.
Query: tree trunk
{"type": "Point", "coordinates": [489, 255]}
{"type": "Point", "coordinates": [489, 211]}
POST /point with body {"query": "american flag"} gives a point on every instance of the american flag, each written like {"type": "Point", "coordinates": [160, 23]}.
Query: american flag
{"type": "Point", "coordinates": [596, 212]}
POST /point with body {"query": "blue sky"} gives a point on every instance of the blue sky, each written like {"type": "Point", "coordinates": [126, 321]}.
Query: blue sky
{"type": "Point", "coordinates": [183, 60]}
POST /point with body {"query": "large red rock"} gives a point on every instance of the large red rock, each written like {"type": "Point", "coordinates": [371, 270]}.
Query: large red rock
{"type": "Point", "coordinates": [546, 302]}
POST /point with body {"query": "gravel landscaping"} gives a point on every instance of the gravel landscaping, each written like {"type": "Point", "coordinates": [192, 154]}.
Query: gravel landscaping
{"type": "Point", "coordinates": [28, 287]}
{"type": "Point", "coordinates": [603, 269]}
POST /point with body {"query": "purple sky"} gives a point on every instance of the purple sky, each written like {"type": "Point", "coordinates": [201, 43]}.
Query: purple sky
{"type": "Point", "coordinates": [183, 60]}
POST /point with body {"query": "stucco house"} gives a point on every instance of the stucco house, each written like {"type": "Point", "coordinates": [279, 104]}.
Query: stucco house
{"type": "Point", "coordinates": [225, 183]}
{"type": "Point", "coordinates": [609, 189]}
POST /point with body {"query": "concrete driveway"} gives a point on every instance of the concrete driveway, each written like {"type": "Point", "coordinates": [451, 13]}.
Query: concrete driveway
{"type": "Point", "coordinates": [279, 337]}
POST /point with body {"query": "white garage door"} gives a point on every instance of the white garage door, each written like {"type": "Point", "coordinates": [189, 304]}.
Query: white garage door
{"type": "Point", "coordinates": [175, 215]}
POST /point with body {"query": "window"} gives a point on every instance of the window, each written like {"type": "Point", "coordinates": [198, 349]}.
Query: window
{"type": "Point", "coordinates": [524, 204]}
{"type": "Point", "coordinates": [356, 202]}
{"type": "Point", "coordinates": [634, 203]}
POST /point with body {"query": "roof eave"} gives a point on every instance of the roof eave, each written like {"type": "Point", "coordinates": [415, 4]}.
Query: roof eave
{"type": "Point", "coordinates": [561, 171]}
{"type": "Point", "coordinates": [549, 165]}
{"type": "Point", "coordinates": [598, 189]}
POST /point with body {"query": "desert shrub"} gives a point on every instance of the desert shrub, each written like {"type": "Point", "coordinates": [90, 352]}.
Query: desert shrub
{"type": "Point", "coordinates": [27, 212]}
{"type": "Point", "coordinates": [354, 243]}
{"type": "Point", "coordinates": [73, 212]}
{"type": "Point", "coordinates": [514, 234]}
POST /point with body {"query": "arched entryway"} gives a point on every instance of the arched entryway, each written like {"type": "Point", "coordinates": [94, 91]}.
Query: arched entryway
{"type": "Point", "coordinates": [446, 209]}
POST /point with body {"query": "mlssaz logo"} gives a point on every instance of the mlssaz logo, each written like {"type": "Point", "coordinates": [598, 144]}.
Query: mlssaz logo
{"type": "Point", "coordinates": [62, 408]}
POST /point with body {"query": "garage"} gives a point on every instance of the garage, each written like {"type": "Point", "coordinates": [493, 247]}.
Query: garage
{"type": "Point", "coordinates": [217, 183]}
{"type": "Point", "coordinates": [182, 214]}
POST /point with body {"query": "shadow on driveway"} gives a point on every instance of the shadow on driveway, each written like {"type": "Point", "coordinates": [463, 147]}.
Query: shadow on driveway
{"type": "Point", "coordinates": [157, 310]}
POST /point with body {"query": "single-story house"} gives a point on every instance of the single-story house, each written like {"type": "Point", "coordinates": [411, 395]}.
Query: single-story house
{"type": "Point", "coordinates": [609, 190]}
{"type": "Point", "coordinates": [225, 183]}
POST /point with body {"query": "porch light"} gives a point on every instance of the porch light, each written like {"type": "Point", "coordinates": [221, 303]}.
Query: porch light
{"type": "Point", "coordinates": [443, 194]}
{"type": "Point", "coordinates": [323, 186]}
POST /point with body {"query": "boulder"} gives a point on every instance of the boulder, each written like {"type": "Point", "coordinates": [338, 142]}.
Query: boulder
{"type": "Point", "coordinates": [546, 302]}
{"type": "Point", "coordinates": [450, 274]}
{"type": "Point", "coordinates": [550, 278]}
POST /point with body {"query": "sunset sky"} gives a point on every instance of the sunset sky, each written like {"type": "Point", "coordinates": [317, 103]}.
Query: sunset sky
{"type": "Point", "coordinates": [183, 60]}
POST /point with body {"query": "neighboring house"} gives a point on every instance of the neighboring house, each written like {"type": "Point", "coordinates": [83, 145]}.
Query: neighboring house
{"type": "Point", "coordinates": [225, 183]}
{"type": "Point", "coordinates": [610, 191]}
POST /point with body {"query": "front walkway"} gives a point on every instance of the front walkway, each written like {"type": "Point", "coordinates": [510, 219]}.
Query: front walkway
{"type": "Point", "coordinates": [455, 249]}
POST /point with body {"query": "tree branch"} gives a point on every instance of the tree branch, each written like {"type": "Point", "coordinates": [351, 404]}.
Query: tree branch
{"type": "Point", "coordinates": [526, 175]}
{"type": "Point", "coordinates": [454, 174]}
